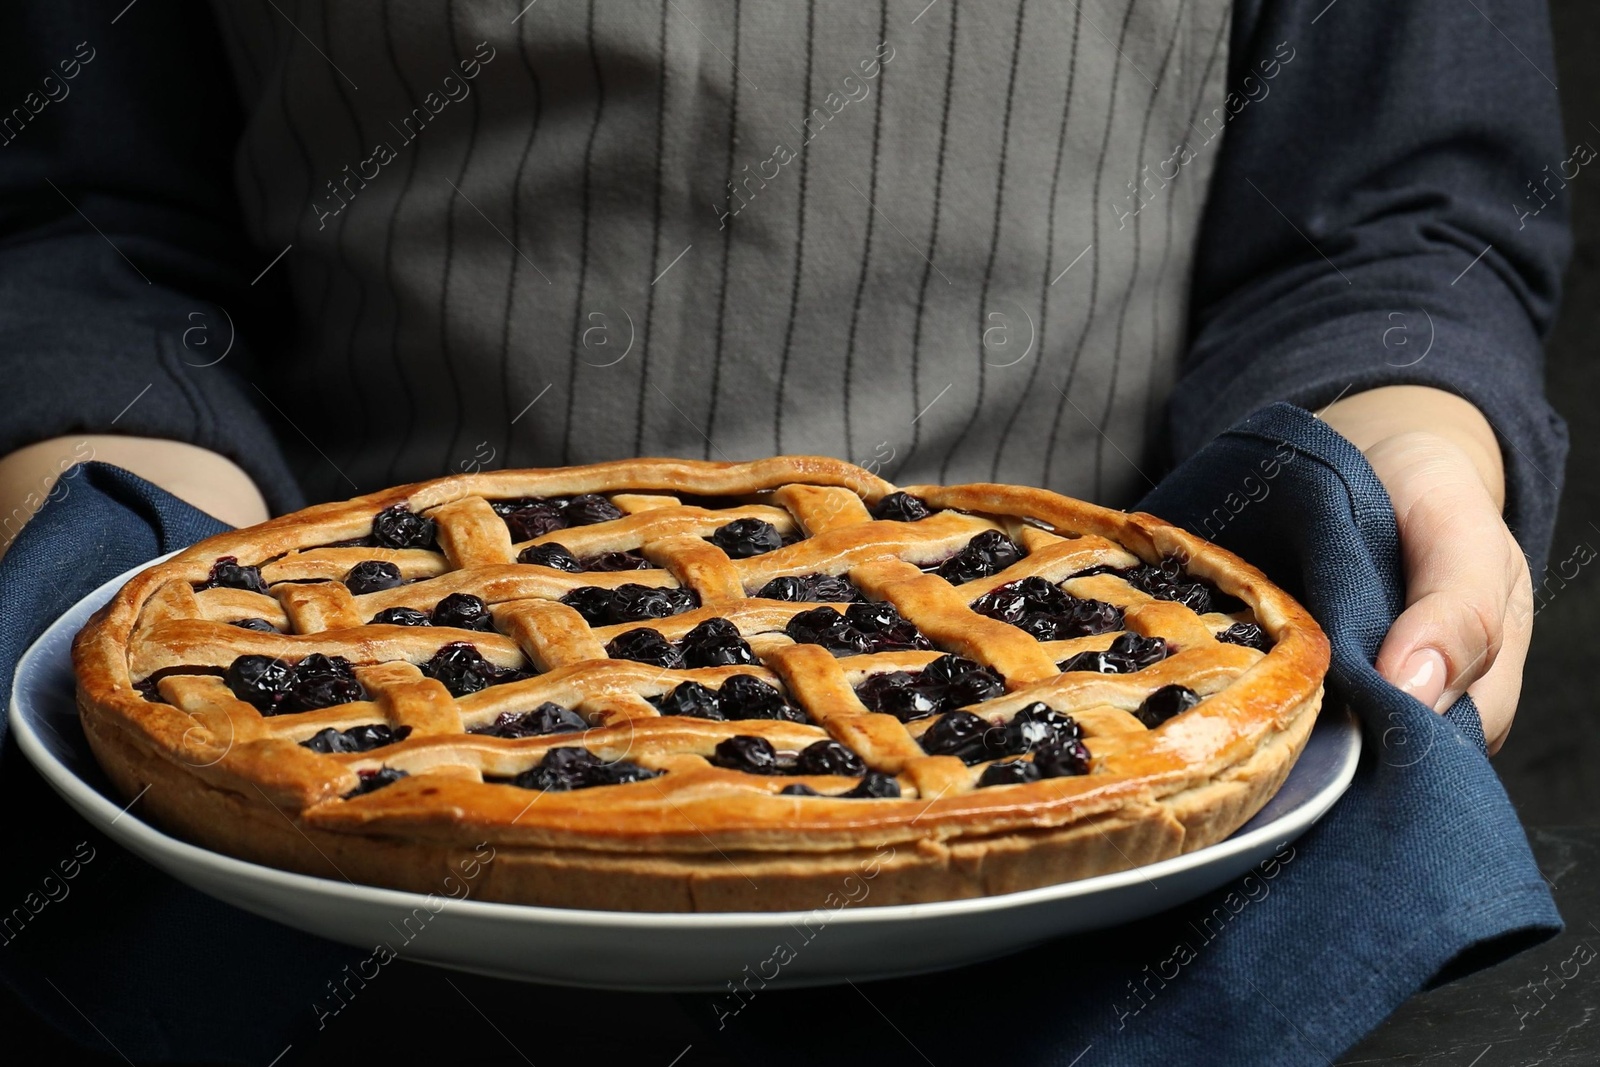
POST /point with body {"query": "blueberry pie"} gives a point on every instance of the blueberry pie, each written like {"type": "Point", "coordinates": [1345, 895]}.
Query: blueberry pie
{"type": "Point", "coordinates": [662, 685]}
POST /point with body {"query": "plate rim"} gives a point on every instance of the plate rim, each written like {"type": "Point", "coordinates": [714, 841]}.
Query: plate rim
{"type": "Point", "coordinates": [100, 811]}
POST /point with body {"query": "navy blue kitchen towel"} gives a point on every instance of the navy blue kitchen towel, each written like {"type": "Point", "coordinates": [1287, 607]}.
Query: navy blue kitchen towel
{"type": "Point", "coordinates": [120, 954]}
{"type": "Point", "coordinates": [1419, 874]}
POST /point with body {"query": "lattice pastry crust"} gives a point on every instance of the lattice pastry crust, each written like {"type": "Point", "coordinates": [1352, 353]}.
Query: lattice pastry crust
{"type": "Point", "coordinates": [686, 825]}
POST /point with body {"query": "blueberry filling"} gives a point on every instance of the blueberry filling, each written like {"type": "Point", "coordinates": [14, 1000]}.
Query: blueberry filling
{"type": "Point", "coordinates": [742, 697]}
{"type": "Point", "coordinates": [402, 617]}
{"type": "Point", "coordinates": [371, 780]}
{"type": "Point", "coordinates": [527, 519]}
{"type": "Point", "coordinates": [634, 602]}
{"type": "Point", "coordinates": [558, 557]}
{"type": "Point", "coordinates": [1011, 772]}
{"type": "Point", "coordinates": [876, 618]}
{"type": "Point", "coordinates": [594, 603]}
{"type": "Point", "coordinates": [755, 755]}
{"type": "Point", "coordinates": [864, 627]}
{"type": "Point", "coordinates": [752, 755]}
{"type": "Point", "coordinates": [825, 627]}
{"type": "Point", "coordinates": [1039, 725]}
{"type": "Point", "coordinates": [399, 527]}
{"type": "Point", "coordinates": [228, 573]}
{"type": "Point", "coordinates": [691, 700]}
{"type": "Point", "coordinates": [829, 757]}
{"type": "Point", "coordinates": [713, 643]}
{"type": "Point", "coordinates": [355, 739]}
{"type": "Point", "coordinates": [1059, 754]}
{"type": "Point", "coordinates": [743, 538]}
{"type": "Point", "coordinates": [1167, 580]}
{"type": "Point", "coordinates": [590, 508]}
{"type": "Point", "coordinates": [617, 561]}
{"type": "Point", "coordinates": [645, 645]}
{"type": "Point", "coordinates": [259, 680]}
{"type": "Point", "coordinates": [373, 575]}
{"type": "Point", "coordinates": [464, 612]}
{"type": "Point", "coordinates": [745, 696]}
{"type": "Point", "coordinates": [787, 588]}
{"type": "Point", "coordinates": [901, 507]}
{"type": "Point", "coordinates": [960, 681]}
{"type": "Point", "coordinates": [578, 768]}
{"type": "Point", "coordinates": [1129, 652]}
{"type": "Point", "coordinates": [874, 786]}
{"type": "Point", "coordinates": [1046, 611]}
{"type": "Point", "coordinates": [974, 739]}
{"type": "Point", "coordinates": [1166, 702]}
{"type": "Point", "coordinates": [1062, 758]}
{"type": "Point", "coordinates": [896, 693]}
{"type": "Point", "coordinates": [535, 517]}
{"type": "Point", "coordinates": [547, 718]}
{"type": "Point", "coordinates": [462, 669]}
{"type": "Point", "coordinates": [321, 682]}
{"type": "Point", "coordinates": [814, 588]}
{"type": "Point", "coordinates": [884, 627]}
{"type": "Point", "coordinates": [969, 737]}
{"type": "Point", "coordinates": [1247, 634]}
{"type": "Point", "coordinates": [988, 553]}
{"type": "Point", "coordinates": [798, 789]}
{"type": "Point", "coordinates": [273, 687]}
{"type": "Point", "coordinates": [943, 685]}
{"type": "Point", "coordinates": [629, 603]}
{"type": "Point", "coordinates": [716, 643]}
{"type": "Point", "coordinates": [258, 625]}
{"type": "Point", "coordinates": [551, 555]}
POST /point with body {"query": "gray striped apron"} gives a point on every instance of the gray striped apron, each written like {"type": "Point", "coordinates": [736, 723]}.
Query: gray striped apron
{"type": "Point", "coordinates": [950, 241]}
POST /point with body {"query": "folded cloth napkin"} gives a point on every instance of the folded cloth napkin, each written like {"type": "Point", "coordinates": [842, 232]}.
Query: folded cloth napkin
{"type": "Point", "coordinates": [1419, 874]}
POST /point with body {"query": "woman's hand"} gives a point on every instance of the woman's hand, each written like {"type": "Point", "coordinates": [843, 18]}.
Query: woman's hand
{"type": "Point", "coordinates": [1469, 600]}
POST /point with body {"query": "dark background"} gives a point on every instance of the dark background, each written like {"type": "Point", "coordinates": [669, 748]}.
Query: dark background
{"type": "Point", "coordinates": [1551, 764]}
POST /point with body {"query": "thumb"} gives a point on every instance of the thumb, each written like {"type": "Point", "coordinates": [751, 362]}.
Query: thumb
{"type": "Point", "coordinates": [1439, 647]}
{"type": "Point", "coordinates": [1461, 568]}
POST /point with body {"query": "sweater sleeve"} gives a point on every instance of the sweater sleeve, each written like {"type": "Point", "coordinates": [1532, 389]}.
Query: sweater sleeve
{"type": "Point", "coordinates": [124, 277]}
{"type": "Point", "coordinates": [1387, 209]}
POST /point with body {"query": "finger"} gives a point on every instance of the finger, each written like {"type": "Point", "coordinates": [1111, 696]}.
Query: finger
{"type": "Point", "coordinates": [1461, 568]}
{"type": "Point", "coordinates": [1497, 692]}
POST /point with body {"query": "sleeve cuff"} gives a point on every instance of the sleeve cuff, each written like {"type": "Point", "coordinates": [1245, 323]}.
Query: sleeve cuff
{"type": "Point", "coordinates": [1476, 341]}
{"type": "Point", "coordinates": [86, 349]}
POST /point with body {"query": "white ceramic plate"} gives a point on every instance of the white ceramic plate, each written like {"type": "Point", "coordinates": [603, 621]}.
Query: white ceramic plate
{"type": "Point", "coordinates": [626, 950]}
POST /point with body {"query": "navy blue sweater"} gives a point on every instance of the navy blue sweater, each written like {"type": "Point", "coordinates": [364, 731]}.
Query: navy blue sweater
{"type": "Point", "coordinates": [1416, 150]}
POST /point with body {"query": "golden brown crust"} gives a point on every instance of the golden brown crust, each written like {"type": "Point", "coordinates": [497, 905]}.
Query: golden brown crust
{"type": "Point", "coordinates": [698, 837]}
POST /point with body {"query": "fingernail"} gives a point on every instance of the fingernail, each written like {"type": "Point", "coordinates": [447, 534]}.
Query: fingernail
{"type": "Point", "coordinates": [1423, 676]}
